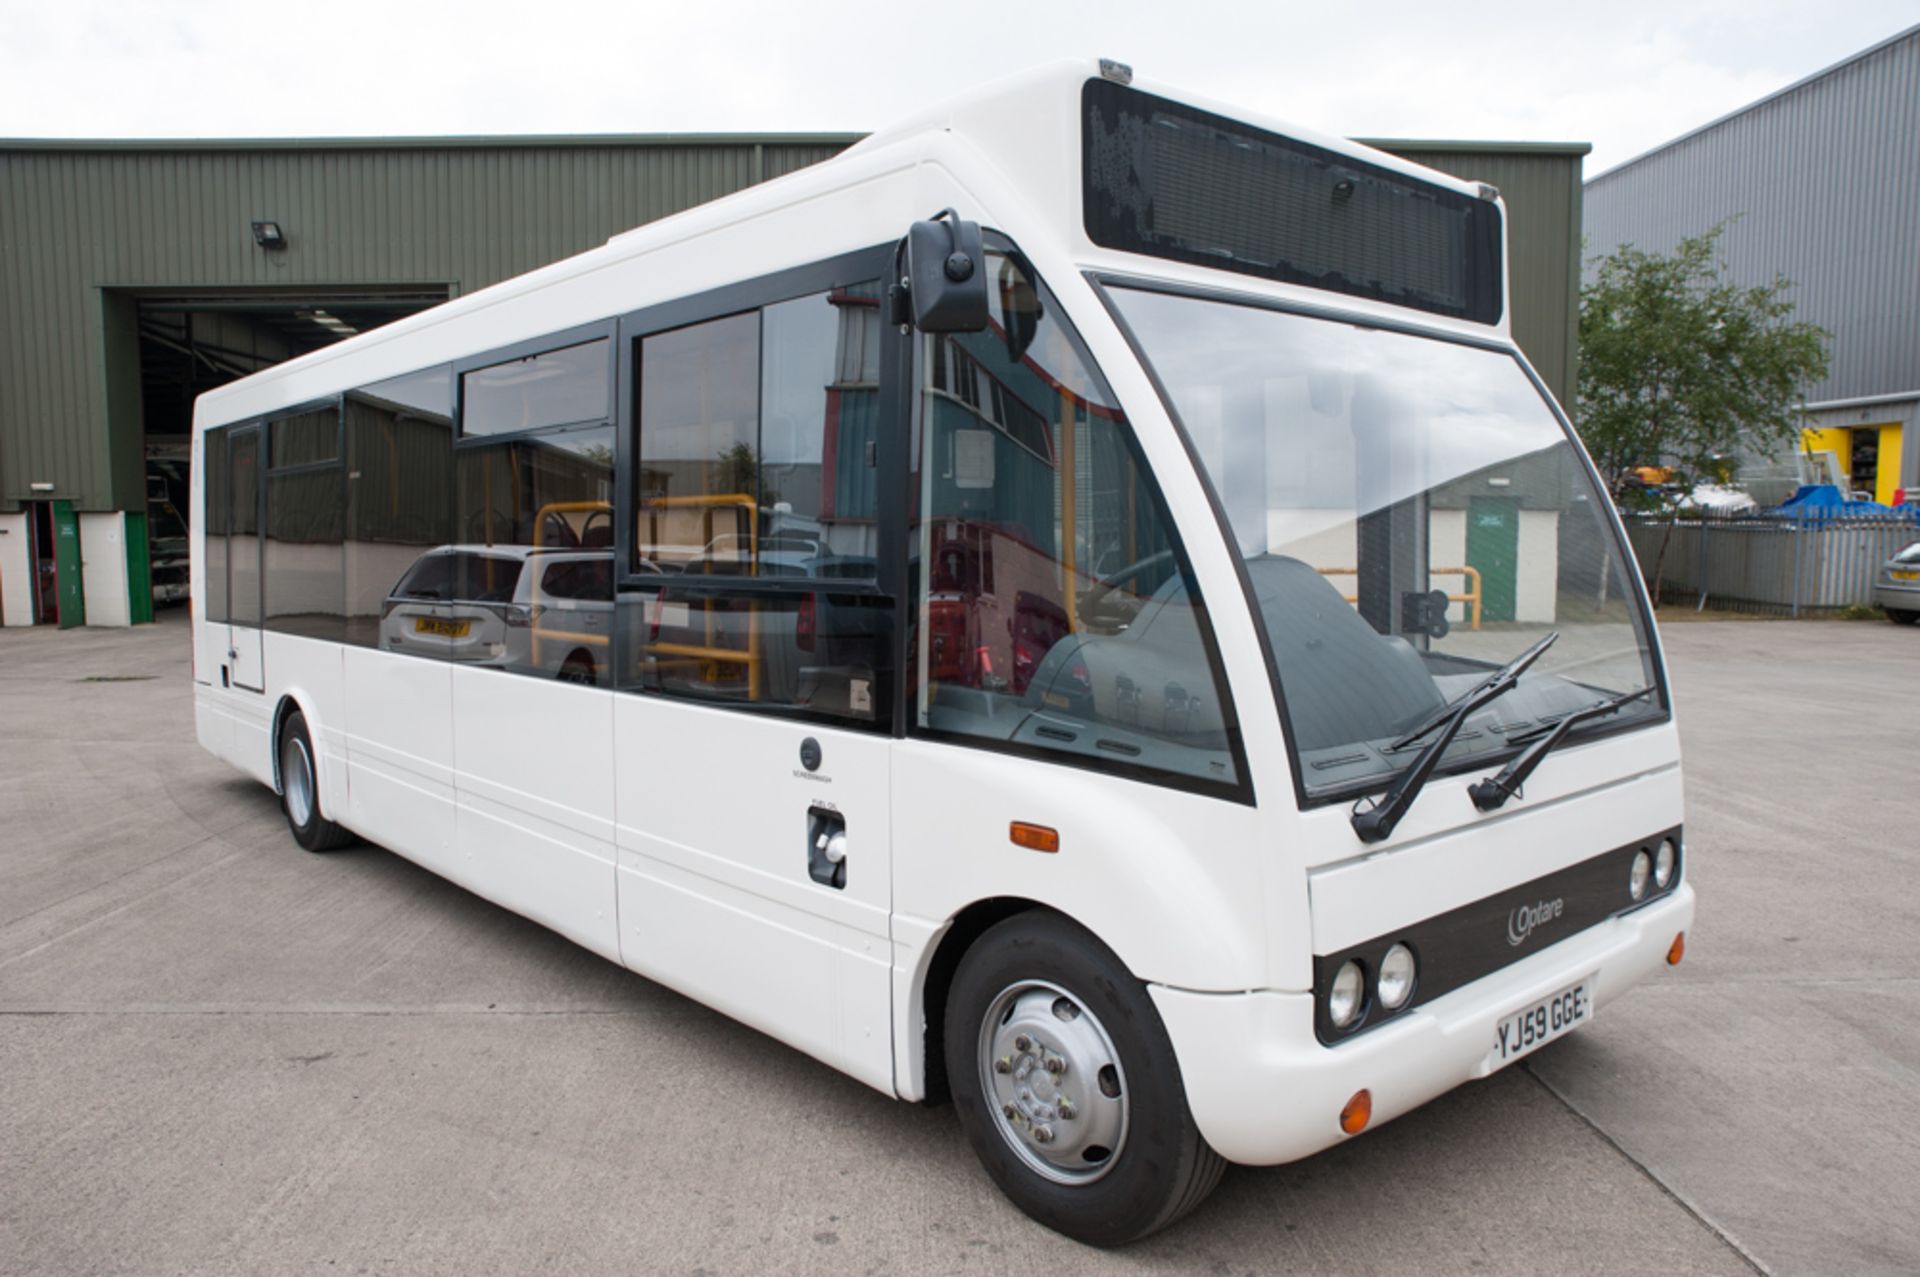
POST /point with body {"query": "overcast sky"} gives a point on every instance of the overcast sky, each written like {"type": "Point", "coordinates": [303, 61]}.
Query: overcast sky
{"type": "Point", "coordinates": [1624, 75]}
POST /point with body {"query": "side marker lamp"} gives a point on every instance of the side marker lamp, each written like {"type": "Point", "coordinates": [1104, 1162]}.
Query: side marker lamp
{"type": "Point", "coordinates": [1034, 837]}
{"type": "Point", "coordinates": [1677, 950]}
{"type": "Point", "coordinates": [1357, 1113]}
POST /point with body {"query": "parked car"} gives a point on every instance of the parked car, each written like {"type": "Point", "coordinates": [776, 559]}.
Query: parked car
{"type": "Point", "coordinates": [167, 561]}
{"type": "Point", "coordinates": [1898, 587]}
{"type": "Point", "coordinates": [517, 606]}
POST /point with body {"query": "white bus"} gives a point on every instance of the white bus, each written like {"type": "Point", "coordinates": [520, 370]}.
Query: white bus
{"type": "Point", "coordinates": [1139, 653]}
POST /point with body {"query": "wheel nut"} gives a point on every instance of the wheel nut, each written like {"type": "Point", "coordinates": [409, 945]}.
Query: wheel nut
{"type": "Point", "coordinates": [1009, 1112]}
{"type": "Point", "coordinates": [1003, 1065]}
{"type": "Point", "coordinates": [1023, 1043]}
{"type": "Point", "coordinates": [1066, 1110]}
{"type": "Point", "coordinates": [1043, 1135]}
{"type": "Point", "coordinates": [1056, 1065]}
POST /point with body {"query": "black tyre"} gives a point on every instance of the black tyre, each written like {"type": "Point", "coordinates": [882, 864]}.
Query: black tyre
{"type": "Point", "coordinates": [579, 668]}
{"type": "Point", "coordinates": [1899, 617]}
{"type": "Point", "coordinates": [300, 790]}
{"type": "Point", "coordinates": [1066, 1084]}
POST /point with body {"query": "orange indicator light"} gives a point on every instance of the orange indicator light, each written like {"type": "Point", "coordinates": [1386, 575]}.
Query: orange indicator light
{"type": "Point", "coordinates": [1358, 1112]}
{"type": "Point", "coordinates": [1033, 837]}
{"type": "Point", "coordinates": [1677, 950]}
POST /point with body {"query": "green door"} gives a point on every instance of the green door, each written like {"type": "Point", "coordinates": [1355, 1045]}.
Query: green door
{"type": "Point", "coordinates": [1493, 549]}
{"type": "Point", "coordinates": [66, 566]}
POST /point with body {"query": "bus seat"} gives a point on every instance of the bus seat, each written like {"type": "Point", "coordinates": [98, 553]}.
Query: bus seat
{"type": "Point", "coordinates": [1343, 681]}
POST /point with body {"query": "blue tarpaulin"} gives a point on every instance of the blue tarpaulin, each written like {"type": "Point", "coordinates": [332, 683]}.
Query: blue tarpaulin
{"type": "Point", "coordinates": [1814, 502]}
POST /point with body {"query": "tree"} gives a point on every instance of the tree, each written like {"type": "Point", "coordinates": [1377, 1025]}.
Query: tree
{"type": "Point", "coordinates": [1680, 367]}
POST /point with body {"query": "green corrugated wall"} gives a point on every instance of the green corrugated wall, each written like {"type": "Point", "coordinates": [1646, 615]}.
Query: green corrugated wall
{"type": "Point", "coordinates": [81, 221]}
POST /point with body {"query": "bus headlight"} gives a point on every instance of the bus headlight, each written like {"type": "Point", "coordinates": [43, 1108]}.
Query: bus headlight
{"type": "Point", "coordinates": [1345, 994]}
{"type": "Point", "coordinates": [1637, 879]}
{"type": "Point", "coordinates": [1663, 861]}
{"type": "Point", "coordinates": [1396, 977]}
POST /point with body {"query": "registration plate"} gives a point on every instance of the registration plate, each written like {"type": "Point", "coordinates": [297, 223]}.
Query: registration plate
{"type": "Point", "coordinates": [445, 629]}
{"type": "Point", "coordinates": [1529, 1029]}
{"type": "Point", "coordinates": [1900, 575]}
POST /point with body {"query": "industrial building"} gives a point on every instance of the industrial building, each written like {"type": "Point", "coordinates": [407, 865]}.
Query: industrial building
{"type": "Point", "coordinates": [136, 275]}
{"type": "Point", "coordinates": [1818, 182]}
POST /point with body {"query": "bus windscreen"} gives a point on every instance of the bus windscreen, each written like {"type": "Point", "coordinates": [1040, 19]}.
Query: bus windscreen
{"type": "Point", "coordinates": [1172, 181]}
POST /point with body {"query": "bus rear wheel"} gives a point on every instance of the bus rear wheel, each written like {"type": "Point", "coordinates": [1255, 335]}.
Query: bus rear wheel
{"type": "Point", "coordinates": [300, 790]}
{"type": "Point", "coordinates": [1066, 1084]}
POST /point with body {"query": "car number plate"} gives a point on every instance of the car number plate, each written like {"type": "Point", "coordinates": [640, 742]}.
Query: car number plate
{"type": "Point", "coordinates": [445, 629]}
{"type": "Point", "coordinates": [1527, 1030]}
{"type": "Point", "coordinates": [1904, 576]}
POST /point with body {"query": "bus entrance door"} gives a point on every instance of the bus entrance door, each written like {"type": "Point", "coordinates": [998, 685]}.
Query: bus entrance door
{"type": "Point", "coordinates": [243, 561]}
{"type": "Point", "coordinates": [727, 891]}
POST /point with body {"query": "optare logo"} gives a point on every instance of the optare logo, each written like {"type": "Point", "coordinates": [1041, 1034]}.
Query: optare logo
{"type": "Point", "coordinates": [1522, 921]}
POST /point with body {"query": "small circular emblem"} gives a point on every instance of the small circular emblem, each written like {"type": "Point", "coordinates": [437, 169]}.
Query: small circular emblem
{"type": "Point", "coordinates": [810, 754]}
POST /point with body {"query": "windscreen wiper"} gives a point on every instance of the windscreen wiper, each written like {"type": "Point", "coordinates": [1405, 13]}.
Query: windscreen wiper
{"type": "Point", "coordinates": [1376, 822]}
{"type": "Point", "coordinates": [1491, 793]}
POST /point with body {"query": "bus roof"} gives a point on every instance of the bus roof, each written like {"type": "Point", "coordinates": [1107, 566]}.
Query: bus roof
{"type": "Point", "coordinates": [1012, 146]}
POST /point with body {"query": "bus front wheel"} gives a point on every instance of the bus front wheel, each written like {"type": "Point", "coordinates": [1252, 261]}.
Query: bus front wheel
{"type": "Point", "coordinates": [300, 790]}
{"type": "Point", "coordinates": [1067, 1087]}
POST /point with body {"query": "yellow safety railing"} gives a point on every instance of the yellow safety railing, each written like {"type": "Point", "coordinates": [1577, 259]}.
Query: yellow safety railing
{"type": "Point", "coordinates": [1470, 596]}
{"type": "Point", "coordinates": [710, 655]}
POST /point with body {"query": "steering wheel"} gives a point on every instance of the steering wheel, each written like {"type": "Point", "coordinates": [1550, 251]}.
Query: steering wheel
{"type": "Point", "coordinates": [1101, 608]}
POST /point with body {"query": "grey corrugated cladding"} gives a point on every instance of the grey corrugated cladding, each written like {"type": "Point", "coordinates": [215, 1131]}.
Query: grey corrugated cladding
{"type": "Point", "coordinates": [1824, 178]}
{"type": "Point", "coordinates": [86, 226]}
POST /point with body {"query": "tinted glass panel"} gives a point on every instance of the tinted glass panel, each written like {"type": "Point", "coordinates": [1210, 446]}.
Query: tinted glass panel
{"type": "Point", "coordinates": [243, 540]}
{"type": "Point", "coordinates": [1173, 181]}
{"type": "Point", "coordinates": [698, 479]}
{"type": "Point", "coordinates": [215, 497]}
{"type": "Point", "coordinates": [1055, 612]}
{"type": "Point", "coordinates": [821, 652]}
{"type": "Point", "coordinates": [759, 441]}
{"type": "Point", "coordinates": [305, 587]}
{"type": "Point", "coordinates": [305, 439]}
{"type": "Point", "coordinates": [521, 504]}
{"type": "Point", "coordinates": [557, 388]}
{"type": "Point", "coordinates": [399, 485]}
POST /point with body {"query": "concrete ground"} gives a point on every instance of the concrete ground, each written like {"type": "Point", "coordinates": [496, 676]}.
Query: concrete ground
{"type": "Point", "coordinates": [219, 1054]}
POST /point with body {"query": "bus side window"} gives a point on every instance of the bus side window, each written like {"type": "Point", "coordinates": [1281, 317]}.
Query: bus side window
{"type": "Point", "coordinates": [1055, 608]}
{"type": "Point", "coordinates": [399, 451]}
{"type": "Point", "coordinates": [217, 494]}
{"type": "Point", "coordinates": [756, 501]}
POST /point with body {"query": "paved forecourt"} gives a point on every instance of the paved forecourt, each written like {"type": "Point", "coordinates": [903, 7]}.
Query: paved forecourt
{"type": "Point", "coordinates": [220, 1054]}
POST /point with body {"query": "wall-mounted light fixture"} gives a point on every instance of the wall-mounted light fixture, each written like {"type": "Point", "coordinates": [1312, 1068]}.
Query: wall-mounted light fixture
{"type": "Point", "coordinates": [41, 487]}
{"type": "Point", "coordinates": [269, 236]}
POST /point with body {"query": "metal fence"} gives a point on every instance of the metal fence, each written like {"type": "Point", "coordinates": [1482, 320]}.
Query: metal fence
{"type": "Point", "coordinates": [1766, 565]}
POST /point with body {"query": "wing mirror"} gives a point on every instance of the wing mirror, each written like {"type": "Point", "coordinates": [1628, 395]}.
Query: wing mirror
{"type": "Point", "coordinates": [944, 289]}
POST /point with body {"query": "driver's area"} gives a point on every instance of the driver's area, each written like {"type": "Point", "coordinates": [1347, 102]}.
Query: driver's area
{"type": "Point", "coordinates": [1055, 613]}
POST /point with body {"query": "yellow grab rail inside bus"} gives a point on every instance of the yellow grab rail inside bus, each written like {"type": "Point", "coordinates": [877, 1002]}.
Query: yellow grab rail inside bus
{"type": "Point", "coordinates": [1470, 596]}
{"type": "Point", "coordinates": [711, 654]}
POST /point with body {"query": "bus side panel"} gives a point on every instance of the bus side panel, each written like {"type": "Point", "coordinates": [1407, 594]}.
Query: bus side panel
{"type": "Point", "coordinates": [400, 755]}
{"type": "Point", "coordinates": [309, 671]}
{"type": "Point", "coordinates": [1172, 882]}
{"type": "Point", "coordinates": [252, 750]}
{"type": "Point", "coordinates": [716, 898]}
{"type": "Point", "coordinates": [533, 771]}
{"type": "Point", "coordinates": [212, 721]}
